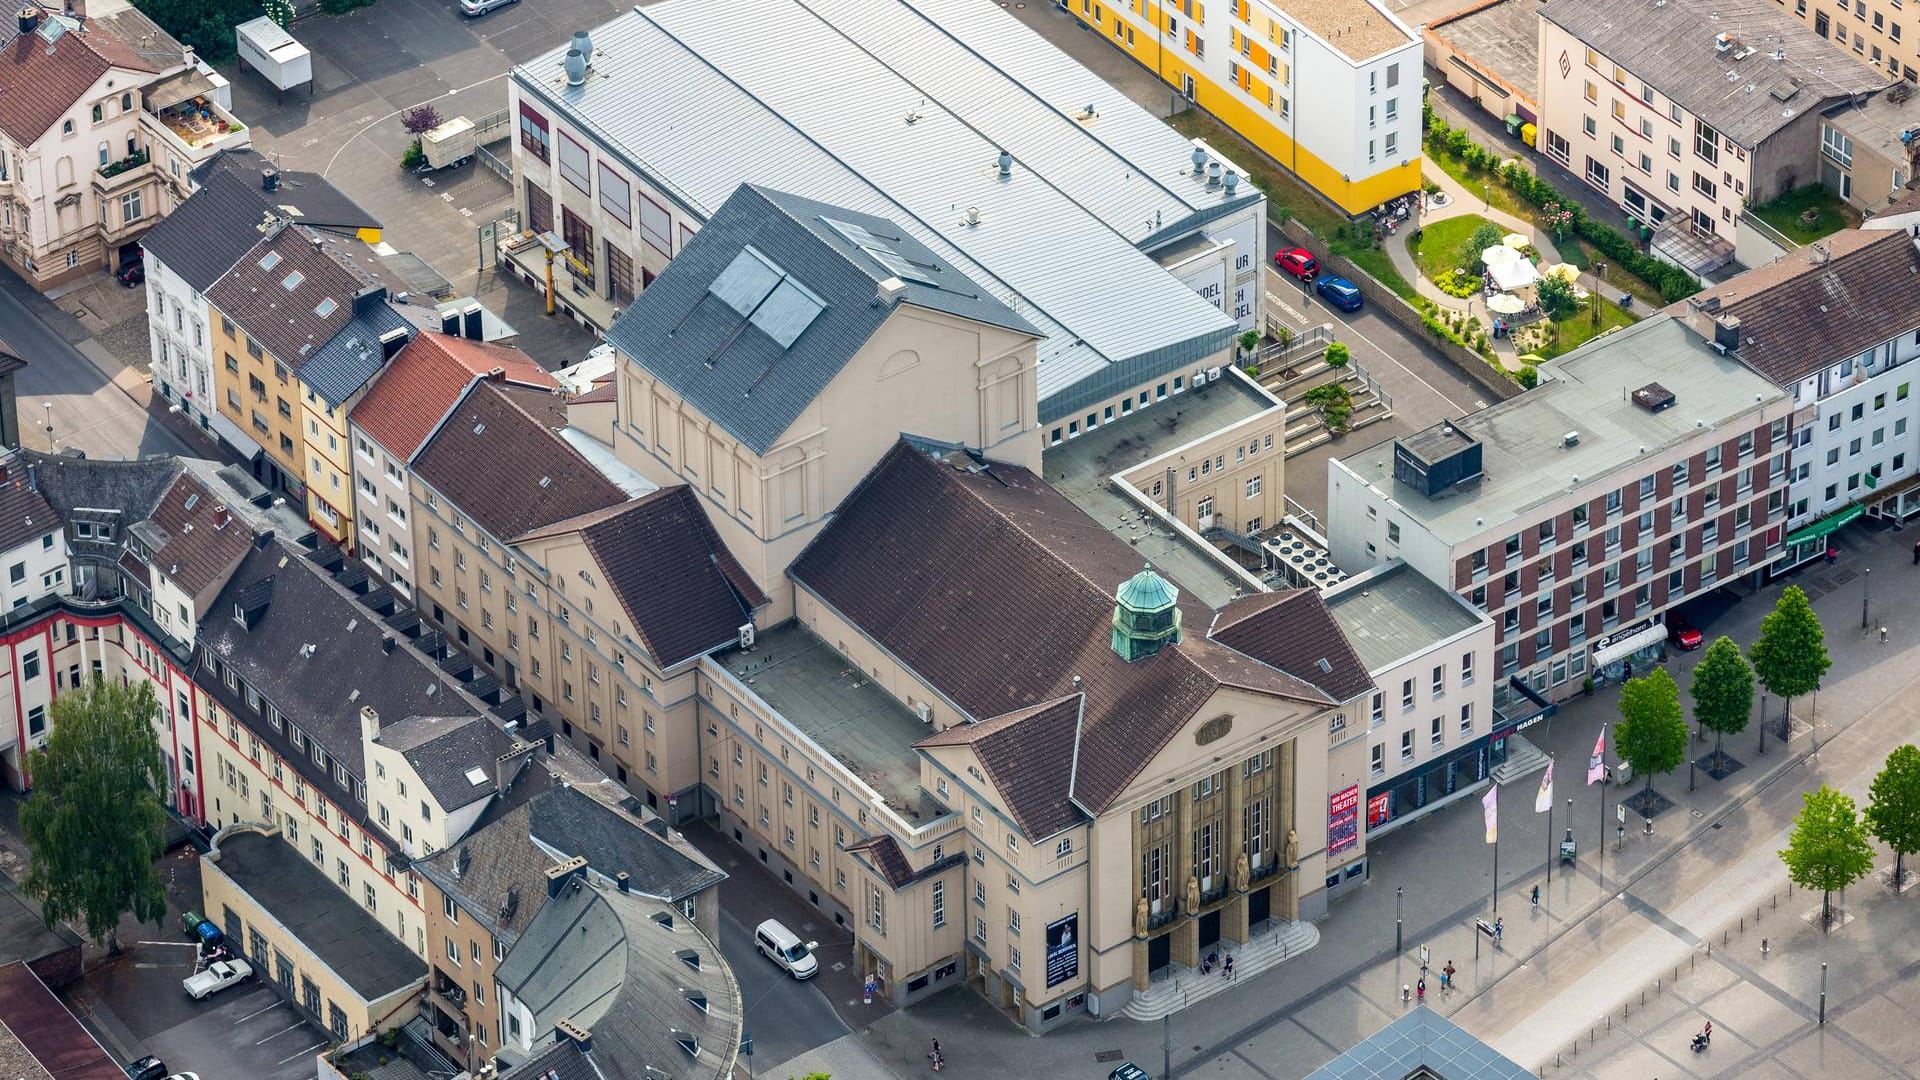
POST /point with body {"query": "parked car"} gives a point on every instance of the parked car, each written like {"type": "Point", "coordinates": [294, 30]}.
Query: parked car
{"type": "Point", "coordinates": [1339, 292]}
{"type": "Point", "coordinates": [147, 1068]}
{"type": "Point", "coordinates": [217, 977]}
{"type": "Point", "coordinates": [1297, 261]}
{"type": "Point", "coordinates": [784, 947]}
{"type": "Point", "coordinates": [471, 8]}
{"type": "Point", "coordinates": [1128, 1071]}
{"type": "Point", "coordinates": [1684, 635]}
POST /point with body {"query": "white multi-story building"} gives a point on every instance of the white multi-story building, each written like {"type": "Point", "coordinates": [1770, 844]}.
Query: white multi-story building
{"type": "Point", "coordinates": [1836, 324]}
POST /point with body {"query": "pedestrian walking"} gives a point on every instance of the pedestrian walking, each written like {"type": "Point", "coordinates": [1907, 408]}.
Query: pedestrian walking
{"type": "Point", "coordinates": [1916, 553]}
{"type": "Point", "coordinates": [1536, 896]}
{"type": "Point", "coordinates": [1420, 990]}
{"type": "Point", "coordinates": [1499, 929]}
{"type": "Point", "coordinates": [1446, 976]}
{"type": "Point", "coordinates": [939, 1060]}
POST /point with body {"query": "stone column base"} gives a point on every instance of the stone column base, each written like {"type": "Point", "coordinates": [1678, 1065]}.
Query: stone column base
{"type": "Point", "coordinates": [1233, 920]}
{"type": "Point", "coordinates": [1141, 978]}
{"type": "Point", "coordinates": [1186, 942]}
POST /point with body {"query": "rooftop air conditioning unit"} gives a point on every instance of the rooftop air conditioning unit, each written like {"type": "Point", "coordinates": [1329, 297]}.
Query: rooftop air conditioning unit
{"type": "Point", "coordinates": [746, 636]}
{"type": "Point", "coordinates": [924, 711]}
{"type": "Point", "coordinates": [1213, 374]}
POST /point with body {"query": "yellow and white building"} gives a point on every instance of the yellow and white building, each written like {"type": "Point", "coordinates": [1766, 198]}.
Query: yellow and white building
{"type": "Point", "coordinates": [1328, 88]}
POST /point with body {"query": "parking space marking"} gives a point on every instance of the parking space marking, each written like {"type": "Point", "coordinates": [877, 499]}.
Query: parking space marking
{"type": "Point", "coordinates": [259, 1012]}
{"type": "Point", "coordinates": [295, 1026]}
{"type": "Point", "coordinates": [302, 1053]}
{"type": "Point", "coordinates": [180, 944]}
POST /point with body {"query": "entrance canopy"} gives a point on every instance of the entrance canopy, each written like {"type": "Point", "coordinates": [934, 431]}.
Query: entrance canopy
{"type": "Point", "coordinates": [1828, 524]}
{"type": "Point", "coordinates": [1627, 645]}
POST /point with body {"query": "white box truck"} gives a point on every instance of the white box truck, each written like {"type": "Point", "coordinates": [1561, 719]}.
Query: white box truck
{"type": "Point", "coordinates": [267, 48]}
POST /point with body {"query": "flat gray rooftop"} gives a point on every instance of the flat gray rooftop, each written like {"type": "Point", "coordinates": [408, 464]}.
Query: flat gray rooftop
{"type": "Point", "coordinates": [1589, 392]}
{"type": "Point", "coordinates": [1392, 613]}
{"type": "Point", "coordinates": [1080, 468]}
{"type": "Point", "coordinates": [1503, 37]}
{"type": "Point", "coordinates": [833, 702]}
{"type": "Point", "coordinates": [1877, 124]}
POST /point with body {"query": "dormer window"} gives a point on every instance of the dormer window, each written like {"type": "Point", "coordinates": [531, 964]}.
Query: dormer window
{"type": "Point", "coordinates": [688, 1041]}
{"type": "Point", "coordinates": [239, 614]}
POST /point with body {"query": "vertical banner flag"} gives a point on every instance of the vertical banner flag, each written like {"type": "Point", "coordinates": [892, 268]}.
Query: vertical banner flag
{"type": "Point", "coordinates": [1543, 802]}
{"type": "Point", "coordinates": [1596, 765]}
{"type": "Point", "coordinates": [1491, 804]}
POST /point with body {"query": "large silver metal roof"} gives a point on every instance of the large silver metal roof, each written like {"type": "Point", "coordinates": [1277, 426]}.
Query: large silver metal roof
{"type": "Point", "coordinates": [815, 100]}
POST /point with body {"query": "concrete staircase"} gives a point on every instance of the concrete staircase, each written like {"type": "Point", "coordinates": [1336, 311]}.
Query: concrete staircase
{"type": "Point", "coordinates": [1185, 986]}
{"type": "Point", "coordinates": [1523, 758]}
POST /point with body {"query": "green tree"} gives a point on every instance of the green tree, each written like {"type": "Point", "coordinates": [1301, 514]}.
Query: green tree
{"type": "Point", "coordinates": [205, 26]}
{"type": "Point", "coordinates": [1893, 806]}
{"type": "Point", "coordinates": [94, 824]}
{"type": "Point", "coordinates": [1790, 656]}
{"type": "Point", "coordinates": [1722, 690]}
{"type": "Point", "coordinates": [1484, 237]}
{"type": "Point", "coordinates": [1651, 735]}
{"type": "Point", "coordinates": [1556, 296]}
{"type": "Point", "coordinates": [1528, 376]}
{"type": "Point", "coordinates": [1827, 848]}
{"type": "Point", "coordinates": [1338, 355]}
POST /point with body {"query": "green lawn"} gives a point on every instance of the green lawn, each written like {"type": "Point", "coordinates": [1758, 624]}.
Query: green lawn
{"type": "Point", "coordinates": [1288, 197]}
{"type": "Point", "coordinates": [1490, 189]}
{"type": "Point", "coordinates": [1444, 246]}
{"type": "Point", "coordinates": [1784, 213]}
{"type": "Point", "coordinates": [1578, 329]}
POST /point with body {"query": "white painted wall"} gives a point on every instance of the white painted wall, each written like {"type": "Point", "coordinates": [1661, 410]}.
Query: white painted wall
{"type": "Point", "coordinates": [35, 569]}
{"type": "Point", "coordinates": [381, 506]}
{"type": "Point", "coordinates": [1871, 381]}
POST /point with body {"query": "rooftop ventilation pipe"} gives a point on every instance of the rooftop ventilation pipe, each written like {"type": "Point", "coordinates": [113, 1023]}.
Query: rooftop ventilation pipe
{"type": "Point", "coordinates": [576, 65]}
{"type": "Point", "coordinates": [1006, 165]}
{"type": "Point", "coordinates": [1199, 161]}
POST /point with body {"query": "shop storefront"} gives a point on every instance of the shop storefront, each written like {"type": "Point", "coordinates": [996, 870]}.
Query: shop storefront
{"type": "Point", "coordinates": [1807, 544]}
{"type": "Point", "coordinates": [1619, 654]}
{"type": "Point", "coordinates": [1398, 800]}
{"type": "Point", "coordinates": [1897, 503]}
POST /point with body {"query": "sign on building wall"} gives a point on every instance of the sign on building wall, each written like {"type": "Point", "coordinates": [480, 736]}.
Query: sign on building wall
{"type": "Point", "coordinates": [1343, 820]}
{"type": "Point", "coordinates": [1063, 949]}
{"type": "Point", "coordinates": [1377, 809]}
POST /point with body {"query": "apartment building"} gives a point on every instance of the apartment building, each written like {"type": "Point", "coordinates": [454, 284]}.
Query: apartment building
{"type": "Point", "coordinates": [1878, 33]}
{"type": "Point", "coordinates": [235, 197]}
{"type": "Point", "coordinates": [1253, 63]}
{"type": "Point", "coordinates": [1648, 469]}
{"type": "Point", "coordinates": [1432, 731]}
{"type": "Point", "coordinates": [1684, 114]}
{"type": "Point", "coordinates": [393, 420]}
{"type": "Point", "coordinates": [485, 892]}
{"type": "Point", "coordinates": [97, 137]}
{"type": "Point", "coordinates": [1153, 246]}
{"type": "Point", "coordinates": [1836, 325]}
{"type": "Point", "coordinates": [1867, 150]}
{"type": "Point", "coordinates": [332, 380]}
{"type": "Point", "coordinates": [286, 298]}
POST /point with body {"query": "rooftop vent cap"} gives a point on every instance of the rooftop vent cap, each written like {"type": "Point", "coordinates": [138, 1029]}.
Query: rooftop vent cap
{"type": "Point", "coordinates": [1006, 164]}
{"type": "Point", "coordinates": [582, 41]}
{"type": "Point", "coordinates": [1199, 161]}
{"type": "Point", "coordinates": [1231, 180]}
{"type": "Point", "coordinates": [973, 215]}
{"type": "Point", "coordinates": [576, 67]}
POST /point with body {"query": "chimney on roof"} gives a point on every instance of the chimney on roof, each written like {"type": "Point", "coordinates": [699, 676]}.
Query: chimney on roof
{"type": "Point", "coordinates": [472, 322]}
{"type": "Point", "coordinates": [369, 723]}
{"type": "Point", "coordinates": [386, 644]}
{"type": "Point", "coordinates": [365, 300]}
{"type": "Point", "coordinates": [29, 18]}
{"type": "Point", "coordinates": [558, 876]}
{"type": "Point", "coordinates": [450, 322]}
{"type": "Point", "coordinates": [624, 881]}
{"type": "Point", "coordinates": [581, 1036]}
{"type": "Point", "coordinates": [1726, 333]}
{"type": "Point", "coordinates": [508, 766]}
{"type": "Point", "coordinates": [392, 342]}
{"type": "Point", "coordinates": [269, 180]}
{"type": "Point", "coordinates": [890, 291]}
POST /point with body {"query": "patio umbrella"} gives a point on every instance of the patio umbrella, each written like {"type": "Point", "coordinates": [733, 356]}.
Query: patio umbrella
{"type": "Point", "coordinates": [1566, 271]}
{"type": "Point", "coordinates": [1505, 304]}
{"type": "Point", "coordinates": [1515, 241]}
{"type": "Point", "coordinates": [1497, 254]}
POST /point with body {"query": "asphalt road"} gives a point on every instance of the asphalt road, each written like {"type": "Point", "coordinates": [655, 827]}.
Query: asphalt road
{"type": "Point", "coordinates": [88, 411]}
{"type": "Point", "coordinates": [785, 1016]}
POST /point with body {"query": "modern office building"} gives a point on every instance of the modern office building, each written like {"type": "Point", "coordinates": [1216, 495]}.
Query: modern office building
{"type": "Point", "coordinates": [1332, 91]}
{"type": "Point", "coordinates": [1648, 468]}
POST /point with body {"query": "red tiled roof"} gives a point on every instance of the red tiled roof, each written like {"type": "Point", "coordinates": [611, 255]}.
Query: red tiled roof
{"type": "Point", "coordinates": [205, 542]}
{"type": "Point", "coordinates": [601, 392]}
{"type": "Point", "coordinates": [1022, 753]}
{"type": "Point", "coordinates": [427, 378]}
{"type": "Point", "coordinates": [40, 80]}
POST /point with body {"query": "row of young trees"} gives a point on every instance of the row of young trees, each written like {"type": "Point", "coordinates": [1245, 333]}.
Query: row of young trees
{"type": "Point", "coordinates": [1789, 660]}
{"type": "Point", "coordinates": [1830, 846]}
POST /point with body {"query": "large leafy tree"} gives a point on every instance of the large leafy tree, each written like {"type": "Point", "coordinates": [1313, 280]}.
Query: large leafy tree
{"type": "Point", "coordinates": [1651, 735]}
{"type": "Point", "coordinates": [1722, 690]}
{"type": "Point", "coordinates": [94, 824]}
{"type": "Point", "coordinates": [1790, 656]}
{"type": "Point", "coordinates": [1827, 848]}
{"type": "Point", "coordinates": [1893, 806]}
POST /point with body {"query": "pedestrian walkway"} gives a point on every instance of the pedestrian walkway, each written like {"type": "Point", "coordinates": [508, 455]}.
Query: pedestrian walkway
{"type": "Point", "coordinates": [1186, 987]}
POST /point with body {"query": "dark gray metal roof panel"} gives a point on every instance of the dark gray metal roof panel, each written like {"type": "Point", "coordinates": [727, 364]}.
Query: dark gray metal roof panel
{"type": "Point", "coordinates": [353, 356]}
{"type": "Point", "coordinates": [1421, 1043]}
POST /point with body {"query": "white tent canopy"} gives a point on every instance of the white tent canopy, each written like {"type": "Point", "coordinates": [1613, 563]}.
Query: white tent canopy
{"type": "Point", "coordinates": [1497, 254]}
{"type": "Point", "coordinates": [1508, 276]}
{"type": "Point", "coordinates": [1505, 304]}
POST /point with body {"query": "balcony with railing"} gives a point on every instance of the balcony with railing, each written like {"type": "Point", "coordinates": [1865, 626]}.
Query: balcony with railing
{"type": "Point", "coordinates": [127, 172]}
{"type": "Point", "coordinates": [197, 128]}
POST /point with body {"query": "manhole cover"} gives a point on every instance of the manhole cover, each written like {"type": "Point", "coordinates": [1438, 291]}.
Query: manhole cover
{"type": "Point", "coordinates": [1108, 1055]}
{"type": "Point", "coordinates": [1696, 813]}
{"type": "Point", "coordinates": [840, 965]}
{"type": "Point", "coordinates": [1844, 576]}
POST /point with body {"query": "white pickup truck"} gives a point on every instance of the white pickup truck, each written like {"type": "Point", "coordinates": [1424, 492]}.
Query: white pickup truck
{"type": "Point", "coordinates": [217, 977]}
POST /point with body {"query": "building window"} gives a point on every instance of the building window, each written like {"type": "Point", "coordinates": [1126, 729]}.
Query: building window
{"type": "Point", "coordinates": [533, 132]}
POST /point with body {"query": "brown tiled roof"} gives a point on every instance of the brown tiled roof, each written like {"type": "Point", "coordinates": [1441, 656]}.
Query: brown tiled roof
{"type": "Point", "coordinates": [205, 542]}
{"type": "Point", "coordinates": [1828, 301]}
{"type": "Point", "coordinates": [508, 470]}
{"type": "Point", "coordinates": [25, 514]}
{"type": "Point", "coordinates": [681, 588]}
{"type": "Point", "coordinates": [602, 391]}
{"type": "Point", "coordinates": [1022, 753]}
{"type": "Point", "coordinates": [38, 1023]}
{"type": "Point", "coordinates": [427, 378]}
{"type": "Point", "coordinates": [287, 322]}
{"type": "Point", "coordinates": [892, 863]}
{"type": "Point", "coordinates": [40, 80]}
{"type": "Point", "coordinates": [998, 591]}
{"type": "Point", "coordinates": [1294, 631]}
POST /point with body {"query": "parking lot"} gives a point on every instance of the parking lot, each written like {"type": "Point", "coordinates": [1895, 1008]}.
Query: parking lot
{"type": "Point", "coordinates": [246, 1031]}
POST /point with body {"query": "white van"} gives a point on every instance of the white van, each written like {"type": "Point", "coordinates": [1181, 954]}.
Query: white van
{"type": "Point", "coordinates": [782, 947]}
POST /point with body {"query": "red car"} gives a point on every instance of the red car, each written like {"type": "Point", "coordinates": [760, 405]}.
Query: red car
{"type": "Point", "coordinates": [1298, 262]}
{"type": "Point", "coordinates": [1683, 633]}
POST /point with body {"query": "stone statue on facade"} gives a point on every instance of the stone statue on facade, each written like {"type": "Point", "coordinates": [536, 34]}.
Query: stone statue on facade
{"type": "Point", "coordinates": [1293, 850]}
{"type": "Point", "coordinates": [1193, 896]}
{"type": "Point", "coordinates": [1241, 873]}
{"type": "Point", "coordinates": [1142, 918]}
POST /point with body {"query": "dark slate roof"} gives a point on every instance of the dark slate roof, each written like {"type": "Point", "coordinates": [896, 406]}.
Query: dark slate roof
{"type": "Point", "coordinates": [680, 586]}
{"type": "Point", "coordinates": [318, 914]}
{"type": "Point", "coordinates": [1421, 1043]}
{"type": "Point", "coordinates": [36, 1021]}
{"type": "Point", "coordinates": [353, 356]}
{"type": "Point", "coordinates": [727, 366]}
{"type": "Point", "coordinates": [206, 235]}
{"type": "Point", "coordinates": [131, 487]}
{"type": "Point", "coordinates": [506, 467]}
{"type": "Point", "coordinates": [1022, 753]}
{"type": "Point", "coordinates": [1294, 631]}
{"type": "Point", "coordinates": [292, 322]}
{"type": "Point", "coordinates": [564, 1060]}
{"type": "Point", "coordinates": [1828, 301]}
{"type": "Point", "coordinates": [443, 749]}
{"type": "Point", "coordinates": [348, 669]}
{"type": "Point", "coordinates": [25, 514]}
{"type": "Point", "coordinates": [927, 553]}
{"type": "Point", "coordinates": [496, 872]}
{"type": "Point", "coordinates": [613, 841]}
{"type": "Point", "coordinates": [598, 958]}
{"type": "Point", "coordinates": [306, 197]}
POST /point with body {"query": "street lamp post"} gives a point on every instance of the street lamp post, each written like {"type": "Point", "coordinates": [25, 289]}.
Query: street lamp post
{"type": "Point", "coordinates": [1399, 893]}
{"type": "Point", "coordinates": [1866, 596]}
{"type": "Point", "coordinates": [52, 447]}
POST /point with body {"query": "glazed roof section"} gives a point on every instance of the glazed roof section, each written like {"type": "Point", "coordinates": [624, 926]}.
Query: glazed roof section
{"type": "Point", "coordinates": [725, 107]}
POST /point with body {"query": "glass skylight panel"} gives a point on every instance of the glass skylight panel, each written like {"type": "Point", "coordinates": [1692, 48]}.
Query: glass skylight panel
{"type": "Point", "coordinates": [746, 281]}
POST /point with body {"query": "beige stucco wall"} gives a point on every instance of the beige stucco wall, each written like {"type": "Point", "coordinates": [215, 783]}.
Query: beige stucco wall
{"type": "Point", "coordinates": [1220, 472]}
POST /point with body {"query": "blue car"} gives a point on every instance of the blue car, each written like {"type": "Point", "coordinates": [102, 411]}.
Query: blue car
{"type": "Point", "coordinates": [1339, 292]}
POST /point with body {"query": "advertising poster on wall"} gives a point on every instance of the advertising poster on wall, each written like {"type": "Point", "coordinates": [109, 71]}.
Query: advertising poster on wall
{"type": "Point", "coordinates": [1377, 808]}
{"type": "Point", "coordinates": [1343, 820]}
{"type": "Point", "coordinates": [1063, 949]}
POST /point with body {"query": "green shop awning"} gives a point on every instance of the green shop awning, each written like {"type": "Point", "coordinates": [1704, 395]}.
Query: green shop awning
{"type": "Point", "coordinates": [1826, 525]}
